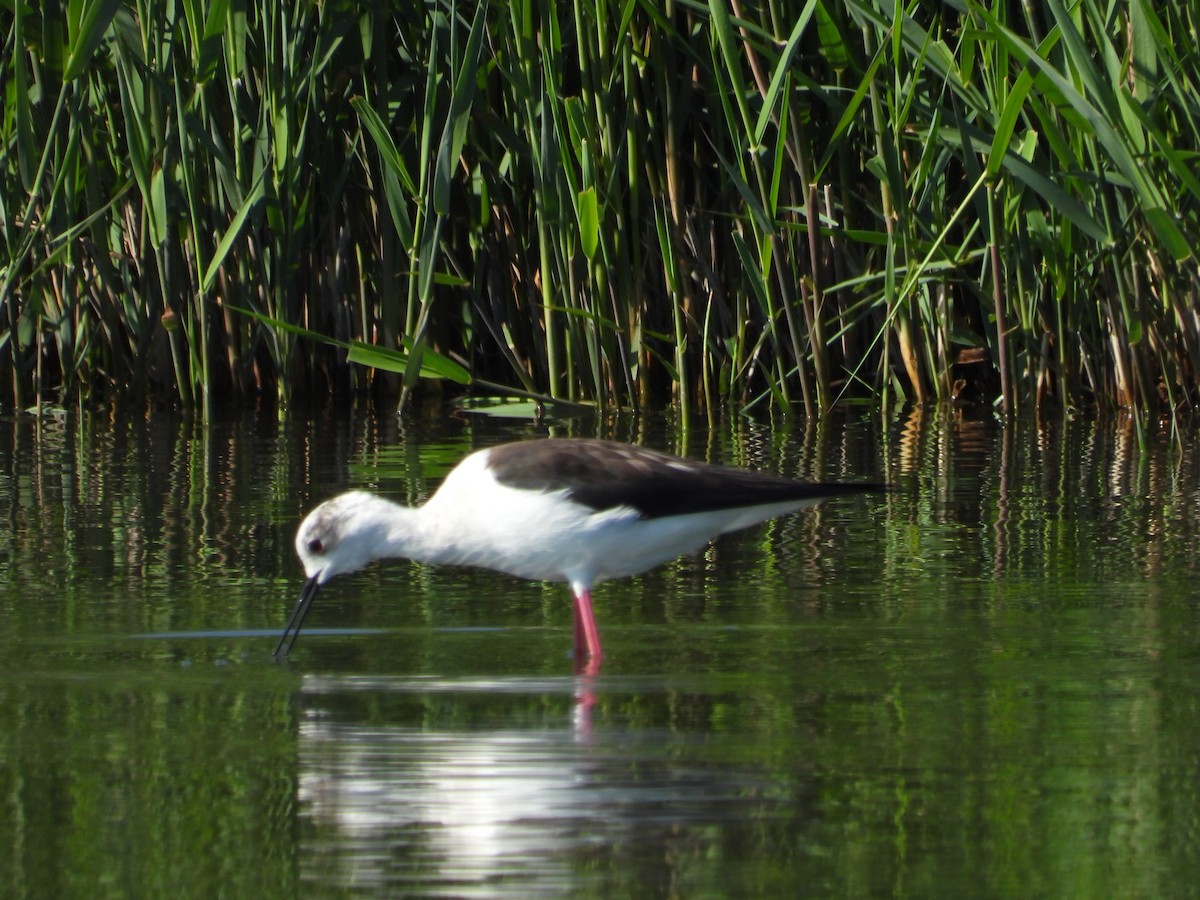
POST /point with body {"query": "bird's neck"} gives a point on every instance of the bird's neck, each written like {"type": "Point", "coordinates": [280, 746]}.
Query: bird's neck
{"type": "Point", "coordinates": [416, 533]}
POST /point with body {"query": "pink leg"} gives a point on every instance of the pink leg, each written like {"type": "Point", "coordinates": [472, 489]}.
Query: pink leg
{"type": "Point", "coordinates": [587, 638]}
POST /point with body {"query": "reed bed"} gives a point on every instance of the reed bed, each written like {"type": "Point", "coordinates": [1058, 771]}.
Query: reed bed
{"type": "Point", "coordinates": [775, 204]}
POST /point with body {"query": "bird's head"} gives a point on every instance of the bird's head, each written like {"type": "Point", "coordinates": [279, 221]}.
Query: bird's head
{"type": "Point", "coordinates": [341, 535]}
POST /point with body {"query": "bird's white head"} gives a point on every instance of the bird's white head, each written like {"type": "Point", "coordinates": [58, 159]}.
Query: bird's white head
{"type": "Point", "coordinates": [343, 535]}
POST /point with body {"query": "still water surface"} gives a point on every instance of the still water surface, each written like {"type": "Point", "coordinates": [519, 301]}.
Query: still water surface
{"type": "Point", "coordinates": [983, 684]}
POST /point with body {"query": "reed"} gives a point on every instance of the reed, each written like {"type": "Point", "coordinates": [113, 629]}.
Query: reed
{"type": "Point", "coordinates": [715, 204]}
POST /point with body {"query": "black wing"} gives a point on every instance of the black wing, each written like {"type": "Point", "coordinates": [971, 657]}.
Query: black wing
{"type": "Point", "coordinates": [607, 474]}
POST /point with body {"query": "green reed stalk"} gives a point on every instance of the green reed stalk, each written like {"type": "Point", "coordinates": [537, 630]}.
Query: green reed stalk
{"type": "Point", "coordinates": [716, 204]}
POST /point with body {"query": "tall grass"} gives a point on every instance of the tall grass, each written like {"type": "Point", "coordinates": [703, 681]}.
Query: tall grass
{"type": "Point", "coordinates": [779, 203]}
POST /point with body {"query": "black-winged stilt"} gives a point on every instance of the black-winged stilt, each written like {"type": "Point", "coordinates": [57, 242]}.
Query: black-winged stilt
{"type": "Point", "coordinates": [559, 509]}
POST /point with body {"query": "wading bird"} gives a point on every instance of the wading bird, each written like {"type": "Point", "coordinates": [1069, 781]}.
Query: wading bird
{"type": "Point", "coordinates": [557, 509]}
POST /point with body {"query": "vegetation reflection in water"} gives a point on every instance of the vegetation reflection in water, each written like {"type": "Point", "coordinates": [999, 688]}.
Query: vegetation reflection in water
{"type": "Point", "coordinates": [982, 683]}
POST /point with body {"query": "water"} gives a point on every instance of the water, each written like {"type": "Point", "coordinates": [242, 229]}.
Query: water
{"type": "Point", "coordinates": [983, 684]}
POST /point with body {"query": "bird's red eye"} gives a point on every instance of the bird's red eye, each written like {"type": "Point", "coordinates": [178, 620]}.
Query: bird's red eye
{"type": "Point", "coordinates": [315, 546]}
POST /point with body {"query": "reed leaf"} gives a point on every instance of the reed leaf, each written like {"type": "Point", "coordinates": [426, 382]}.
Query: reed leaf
{"type": "Point", "coordinates": [431, 364]}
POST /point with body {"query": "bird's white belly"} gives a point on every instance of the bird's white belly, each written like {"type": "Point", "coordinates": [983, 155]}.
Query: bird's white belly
{"type": "Point", "coordinates": [619, 548]}
{"type": "Point", "coordinates": [602, 545]}
{"type": "Point", "coordinates": [546, 543]}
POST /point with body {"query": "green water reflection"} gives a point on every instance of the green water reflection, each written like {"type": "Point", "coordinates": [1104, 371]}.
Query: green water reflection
{"type": "Point", "coordinates": [983, 684]}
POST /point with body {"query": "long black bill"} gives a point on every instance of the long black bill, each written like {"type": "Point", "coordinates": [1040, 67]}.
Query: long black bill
{"type": "Point", "coordinates": [296, 621]}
